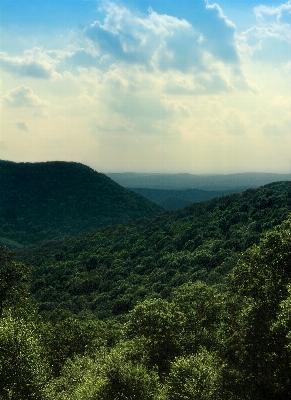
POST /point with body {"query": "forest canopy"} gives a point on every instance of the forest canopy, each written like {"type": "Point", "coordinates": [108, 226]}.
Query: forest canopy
{"type": "Point", "coordinates": [203, 342]}
{"type": "Point", "coordinates": [187, 304]}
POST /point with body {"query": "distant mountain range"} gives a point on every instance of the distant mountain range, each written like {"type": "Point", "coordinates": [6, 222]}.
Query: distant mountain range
{"type": "Point", "coordinates": [44, 200]}
{"type": "Point", "coordinates": [175, 199]}
{"type": "Point", "coordinates": [233, 182]}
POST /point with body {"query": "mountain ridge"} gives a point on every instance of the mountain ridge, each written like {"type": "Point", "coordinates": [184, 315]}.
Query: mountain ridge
{"type": "Point", "coordinates": [236, 181]}
{"type": "Point", "coordinates": [48, 199]}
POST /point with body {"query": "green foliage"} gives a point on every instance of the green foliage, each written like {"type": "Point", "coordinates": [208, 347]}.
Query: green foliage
{"type": "Point", "coordinates": [107, 377]}
{"type": "Point", "coordinates": [23, 369]}
{"type": "Point", "coordinates": [186, 339]}
{"type": "Point", "coordinates": [70, 337]}
{"type": "Point", "coordinates": [257, 346]}
{"type": "Point", "coordinates": [123, 379]}
{"type": "Point", "coordinates": [265, 270]}
{"type": "Point", "coordinates": [282, 325]}
{"type": "Point", "coordinates": [14, 283]}
{"type": "Point", "coordinates": [79, 380]}
{"type": "Point", "coordinates": [161, 325]}
{"type": "Point", "coordinates": [202, 307]}
{"type": "Point", "coordinates": [196, 377]}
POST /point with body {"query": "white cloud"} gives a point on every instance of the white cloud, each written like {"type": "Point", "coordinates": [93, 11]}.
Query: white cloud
{"type": "Point", "coordinates": [151, 41]}
{"type": "Point", "coordinates": [22, 98]}
{"type": "Point", "coordinates": [202, 84]}
{"type": "Point", "coordinates": [154, 92]}
{"type": "Point", "coordinates": [270, 41]}
{"type": "Point", "coordinates": [205, 49]}
{"type": "Point", "coordinates": [204, 53]}
{"type": "Point", "coordinates": [279, 15]}
{"type": "Point", "coordinates": [220, 33]}
{"type": "Point", "coordinates": [34, 63]}
{"type": "Point", "coordinates": [163, 41]}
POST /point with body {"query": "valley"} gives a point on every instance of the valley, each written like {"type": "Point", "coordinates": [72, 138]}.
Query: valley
{"type": "Point", "coordinates": [106, 295]}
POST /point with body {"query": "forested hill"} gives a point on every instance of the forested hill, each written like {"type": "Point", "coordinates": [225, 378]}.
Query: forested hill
{"type": "Point", "coordinates": [44, 200]}
{"type": "Point", "coordinates": [108, 271]}
{"type": "Point", "coordinates": [204, 342]}
{"type": "Point", "coordinates": [214, 322]}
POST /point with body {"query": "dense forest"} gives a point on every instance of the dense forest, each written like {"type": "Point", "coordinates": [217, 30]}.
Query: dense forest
{"type": "Point", "coordinates": [202, 342]}
{"type": "Point", "coordinates": [107, 271]}
{"type": "Point", "coordinates": [187, 304]}
{"type": "Point", "coordinates": [45, 200]}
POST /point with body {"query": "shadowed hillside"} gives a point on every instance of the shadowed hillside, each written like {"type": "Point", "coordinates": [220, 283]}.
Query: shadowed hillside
{"type": "Point", "coordinates": [44, 200]}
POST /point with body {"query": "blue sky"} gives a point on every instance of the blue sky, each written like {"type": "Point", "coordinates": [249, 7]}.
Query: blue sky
{"type": "Point", "coordinates": [147, 86]}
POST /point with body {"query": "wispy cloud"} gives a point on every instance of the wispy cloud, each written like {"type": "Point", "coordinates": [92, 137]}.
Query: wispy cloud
{"type": "Point", "coordinates": [21, 126]}
{"type": "Point", "coordinates": [279, 15]}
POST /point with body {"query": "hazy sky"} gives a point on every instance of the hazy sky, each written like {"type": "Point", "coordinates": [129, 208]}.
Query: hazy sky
{"type": "Point", "coordinates": [147, 85]}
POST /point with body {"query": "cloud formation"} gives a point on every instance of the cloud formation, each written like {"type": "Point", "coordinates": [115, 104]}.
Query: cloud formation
{"type": "Point", "coordinates": [279, 15]}
{"type": "Point", "coordinates": [34, 63]}
{"type": "Point", "coordinates": [150, 41]}
{"type": "Point", "coordinates": [163, 41]}
{"type": "Point", "coordinates": [23, 96]}
{"type": "Point", "coordinates": [173, 88]}
{"type": "Point", "coordinates": [270, 41]}
{"type": "Point", "coordinates": [202, 48]}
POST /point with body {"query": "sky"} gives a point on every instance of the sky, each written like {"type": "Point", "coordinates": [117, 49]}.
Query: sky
{"type": "Point", "coordinates": [147, 85]}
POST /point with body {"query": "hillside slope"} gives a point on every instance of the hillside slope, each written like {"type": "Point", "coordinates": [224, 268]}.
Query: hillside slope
{"type": "Point", "coordinates": [108, 271]}
{"type": "Point", "coordinates": [229, 341]}
{"type": "Point", "coordinates": [44, 200]}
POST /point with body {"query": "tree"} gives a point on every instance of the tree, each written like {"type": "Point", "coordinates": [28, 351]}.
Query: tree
{"type": "Point", "coordinates": [196, 377]}
{"type": "Point", "coordinates": [23, 368]}
{"type": "Point", "coordinates": [106, 376]}
{"type": "Point", "coordinates": [202, 306]}
{"type": "Point", "coordinates": [14, 283]}
{"type": "Point", "coordinates": [254, 348]}
{"type": "Point", "coordinates": [70, 337]}
{"type": "Point", "coordinates": [160, 324]}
